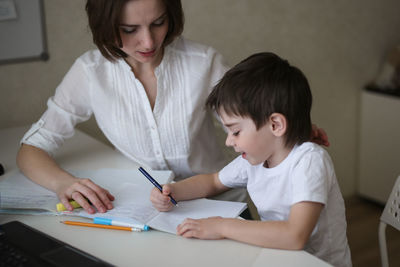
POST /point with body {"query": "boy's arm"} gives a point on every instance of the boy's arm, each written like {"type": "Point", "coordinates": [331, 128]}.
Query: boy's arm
{"type": "Point", "coordinates": [199, 186]}
{"type": "Point", "coordinates": [290, 234]}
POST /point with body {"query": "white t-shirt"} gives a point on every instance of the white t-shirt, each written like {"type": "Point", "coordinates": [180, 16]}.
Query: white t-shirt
{"type": "Point", "coordinates": [177, 135]}
{"type": "Point", "coordinates": [307, 174]}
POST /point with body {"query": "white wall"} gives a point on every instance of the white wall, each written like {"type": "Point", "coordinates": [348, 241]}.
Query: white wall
{"type": "Point", "coordinates": [339, 45]}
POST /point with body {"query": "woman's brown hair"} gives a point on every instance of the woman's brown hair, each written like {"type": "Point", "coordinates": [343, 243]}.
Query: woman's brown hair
{"type": "Point", "coordinates": [104, 19]}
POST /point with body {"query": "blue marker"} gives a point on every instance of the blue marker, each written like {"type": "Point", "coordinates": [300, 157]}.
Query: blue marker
{"type": "Point", "coordinates": [156, 184]}
{"type": "Point", "coordinates": [106, 221]}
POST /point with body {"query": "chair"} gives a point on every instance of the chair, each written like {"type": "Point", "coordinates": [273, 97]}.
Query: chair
{"type": "Point", "coordinates": [391, 216]}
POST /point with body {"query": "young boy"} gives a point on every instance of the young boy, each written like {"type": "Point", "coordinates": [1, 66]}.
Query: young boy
{"type": "Point", "coordinates": [265, 105]}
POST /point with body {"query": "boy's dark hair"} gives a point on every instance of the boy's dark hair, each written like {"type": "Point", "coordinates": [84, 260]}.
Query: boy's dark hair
{"type": "Point", "coordinates": [104, 19]}
{"type": "Point", "coordinates": [263, 84]}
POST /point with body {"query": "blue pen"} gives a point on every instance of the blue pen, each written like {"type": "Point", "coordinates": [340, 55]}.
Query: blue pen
{"type": "Point", "coordinates": [107, 221]}
{"type": "Point", "coordinates": [156, 184]}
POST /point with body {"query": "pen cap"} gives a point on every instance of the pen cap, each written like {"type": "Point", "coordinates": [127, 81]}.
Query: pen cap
{"type": "Point", "coordinates": [100, 220]}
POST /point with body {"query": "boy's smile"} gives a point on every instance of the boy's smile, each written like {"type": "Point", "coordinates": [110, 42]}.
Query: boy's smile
{"type": "Point", "coordinates": [256, 146]}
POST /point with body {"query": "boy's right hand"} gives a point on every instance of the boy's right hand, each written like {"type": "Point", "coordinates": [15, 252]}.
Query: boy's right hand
{"type": "Point", "coordinates": [162, 201]}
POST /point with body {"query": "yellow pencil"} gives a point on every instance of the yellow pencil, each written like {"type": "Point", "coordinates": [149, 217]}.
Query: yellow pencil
{"type": "Point", "coordinates": [131, 229]}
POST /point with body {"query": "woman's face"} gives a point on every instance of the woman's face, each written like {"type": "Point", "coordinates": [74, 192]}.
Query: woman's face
{"type": "Point", "coordinates": [143, 27]}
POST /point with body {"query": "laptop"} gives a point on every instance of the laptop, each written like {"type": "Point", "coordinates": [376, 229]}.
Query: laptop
{"type": "Point", "coordinates": [22, 245]}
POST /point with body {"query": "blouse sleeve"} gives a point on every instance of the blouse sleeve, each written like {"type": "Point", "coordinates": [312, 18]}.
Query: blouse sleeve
{"type": "Point", "coordinates": [218, 68]}
{"type": "Point", "coordinates": [70, 105]}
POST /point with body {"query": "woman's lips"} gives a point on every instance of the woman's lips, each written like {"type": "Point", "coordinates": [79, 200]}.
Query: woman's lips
{"type": "Point", "coordinates": [148, 54]}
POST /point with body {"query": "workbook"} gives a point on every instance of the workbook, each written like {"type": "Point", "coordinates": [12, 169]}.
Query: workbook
{"type": "Point", "coordinates": [20, 195]}
{"type": "Point", "coordinates": [132, 199]}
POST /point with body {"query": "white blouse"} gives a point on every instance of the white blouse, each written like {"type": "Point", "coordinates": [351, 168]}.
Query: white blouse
{"type": "Point", "coordinates": [177, 135]}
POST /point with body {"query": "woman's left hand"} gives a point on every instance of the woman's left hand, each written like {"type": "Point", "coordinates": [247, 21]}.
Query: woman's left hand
{"type": "Point", "coordinates": [319, 136]}
{"type": "Point", "coordinates": [201, 228]}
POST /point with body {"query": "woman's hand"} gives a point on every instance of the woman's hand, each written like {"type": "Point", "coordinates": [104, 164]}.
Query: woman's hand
{"type": "Point", "coordinates": [84, 191]}
{"type": "Point", "coordinates": [319, 136]}
{"type": "Point", "coordinates": [40, 167]}
{"type": "Point", "coordinates": [202, 228]}
{"type": "Point", "coordinates": [162, 201]}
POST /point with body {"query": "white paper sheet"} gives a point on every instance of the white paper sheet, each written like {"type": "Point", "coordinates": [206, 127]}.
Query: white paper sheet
{"type": "Point", "coordinates": [132, 199]}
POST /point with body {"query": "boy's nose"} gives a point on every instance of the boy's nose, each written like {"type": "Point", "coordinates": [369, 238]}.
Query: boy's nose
{"type": "Point", "coordinates": [229, 141]}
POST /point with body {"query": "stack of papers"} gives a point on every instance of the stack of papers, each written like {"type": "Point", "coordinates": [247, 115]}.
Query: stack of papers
{"type": "Point", "coordinates": [132, 199]}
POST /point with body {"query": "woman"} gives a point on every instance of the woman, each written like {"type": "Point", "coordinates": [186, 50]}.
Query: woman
{"type": "Point", "coordinates": [146, 87]}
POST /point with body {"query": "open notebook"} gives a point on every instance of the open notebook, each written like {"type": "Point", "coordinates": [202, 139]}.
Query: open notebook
{"type": "Point", "coordinates": [132, 204]}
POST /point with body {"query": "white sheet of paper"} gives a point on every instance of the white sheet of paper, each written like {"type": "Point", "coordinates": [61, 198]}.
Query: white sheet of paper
{"type": "Point", "coordinates": [18, 192]}
{"type": "Point", "coordinates": [195, 209]}
{"type": "Point", "coordinates": [7, 10]}
{"type": "Point", "coordinates": [133, 205]}
{"type": "Point", "coordinates": [132, 199]}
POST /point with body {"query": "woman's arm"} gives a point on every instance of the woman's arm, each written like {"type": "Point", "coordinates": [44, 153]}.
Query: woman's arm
{"type": "Point", "coordinates": [38, 166]}
{"type": "Point", "coordinates": [319, 136]}
{"type": "Point", "coordinates": [291, 234]}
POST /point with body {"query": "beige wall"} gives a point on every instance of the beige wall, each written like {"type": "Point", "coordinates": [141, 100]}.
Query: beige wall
{"type": "Point", "coordinates": [339, 44]}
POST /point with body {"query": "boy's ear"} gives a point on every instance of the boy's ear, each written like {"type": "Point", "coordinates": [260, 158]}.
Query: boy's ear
{"type": "Point", "coordinates": [278, 124]}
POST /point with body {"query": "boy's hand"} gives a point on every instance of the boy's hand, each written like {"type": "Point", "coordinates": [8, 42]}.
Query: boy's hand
{"type": "Point", "coordinates": [319, 136]}
{"type": "Point", "coordinates": [162, 201]}
{"type": "Point", "coordinates": [201, 228]}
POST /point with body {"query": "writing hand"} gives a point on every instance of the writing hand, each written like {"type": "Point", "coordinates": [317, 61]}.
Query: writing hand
{"type": "Point", "coordinates": [162, 201]}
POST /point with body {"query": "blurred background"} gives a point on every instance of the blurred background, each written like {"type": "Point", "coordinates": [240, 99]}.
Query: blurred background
{"type": "Point", "coordinates": [340, 45]}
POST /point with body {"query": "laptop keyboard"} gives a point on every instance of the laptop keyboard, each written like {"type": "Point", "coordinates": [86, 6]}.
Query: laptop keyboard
{"type": "Point", "coordinates": [22, 245]}
{"type": "Point", "coordinates": [11, 255]}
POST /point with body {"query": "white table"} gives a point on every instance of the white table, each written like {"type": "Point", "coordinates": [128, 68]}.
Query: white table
{"type": "Point", "coordinates": [152, 248]}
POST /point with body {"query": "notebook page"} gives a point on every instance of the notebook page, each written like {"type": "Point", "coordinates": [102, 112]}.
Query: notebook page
{"type": "Point", "coordinates": [195, 209]}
